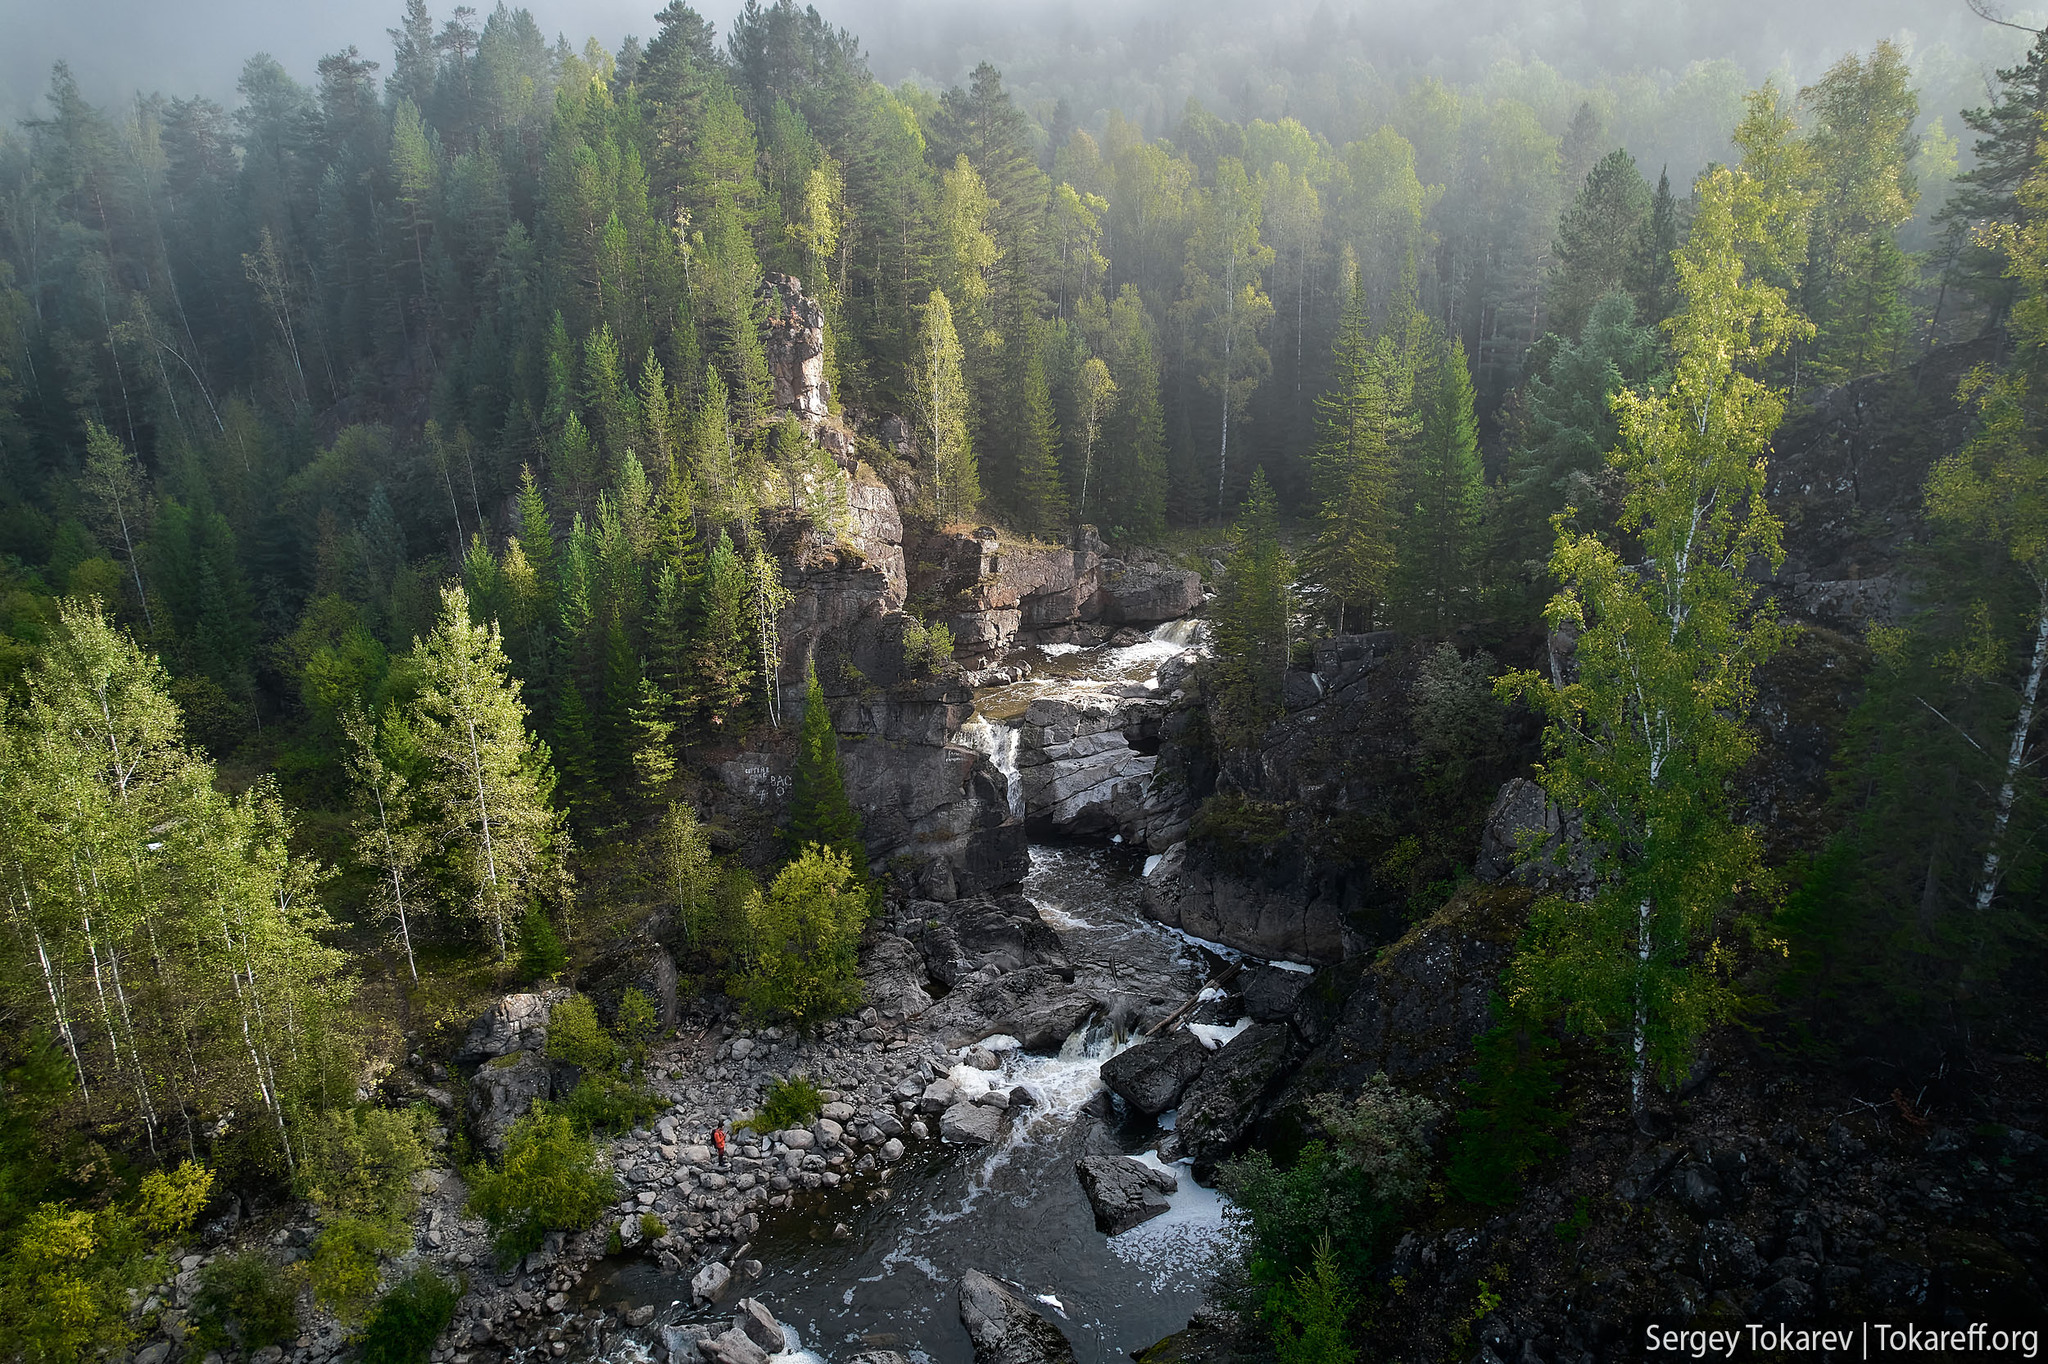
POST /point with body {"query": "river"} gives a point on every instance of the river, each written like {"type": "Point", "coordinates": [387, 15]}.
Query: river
{"type": "Point", "coordinates": [1014, 1209]}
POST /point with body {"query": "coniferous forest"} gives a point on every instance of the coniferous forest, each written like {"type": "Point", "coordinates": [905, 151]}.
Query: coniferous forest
{"type": "Point", "coordinates": [564, 610]}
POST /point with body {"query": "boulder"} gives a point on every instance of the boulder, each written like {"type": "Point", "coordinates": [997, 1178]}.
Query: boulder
{"type": "Point", "coordinates": [1271, 994]}
{"type": "Point", "coordinates": [1219, 1108]}
{"type": "Point", "coordinates": [500, 1094]}
{"type": "Point", "coordinates": [760, 1326]}
{"type": "Point", "coordinates": [892, 970]}
{"type": "Point", "coordinates": [983, 934]}
{"type": "Point", "coordinates": [514, 1023]}
{"type": "Point", "coordinates": [1035, 1005]}
{"type": "Point", "coordinates": [1152, 1076]}
{"type": "Point", "coordinates": [970, 1123]}
{"type": "Point", "coordinates": [1276, 922]}
{"type": "Point", "coordinates": [1532, 840]}
{"type": "Point", "coordinates": [711, 1283]}
{"type": "Point", "coordinates": [1004, 1329]}
{"type": "Point", "coordinates": [1149, 594]}
{"type": "Point", "coordinates": [733, 1347]}
{"type": "Point", "coordinates": [1123, 1192]}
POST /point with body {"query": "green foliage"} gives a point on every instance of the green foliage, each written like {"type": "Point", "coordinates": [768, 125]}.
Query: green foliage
{"type": "Point", "coordinates": [1511, 1125]}
{"type": "Point", "coordinates": [343, 1268]}
{"type": "Point", "coordinates": [792, 1101]}
{"type": "Point", "coordinates": [359, 1162]}
{"type": "Point", "coordinates": [409, 1319]}
{"type": "Point", "coordinates": [1338, 1199]}
{"type": "Point", "coordinates": [1647, 740]}
{"type": "Point", "coordinates": [819, 810]}
{"type": "Point", "coordinates": [1309, 1316]}
{"type": "Point", "coordinates": [244, 1302]}
{"type": "Point", "coordinates": [540, 953]}
{"type": "Point", "coordinates": [688, 879]}
{"type": "Point", "coordinates": [1441, 490]}
{"type": "Point", "coordinates": [637, 1025]}
{"type": "Point", "coordinates": [551, 1181]}
{"type": "Point", "coordinates": [801, 936]}
{"type": "Point", "coordinates": [607, 1102]}
{"type": "Point", "coordinates": [926, 648]}
{"type": "Point", "coordinates": [1252, 616]}
{"type": "Point", "coordinates": [65, 1271]}
{"type": "Point", "coordinates": [577, 1037]}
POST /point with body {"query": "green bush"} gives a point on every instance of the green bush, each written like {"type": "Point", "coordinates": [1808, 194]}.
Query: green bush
{"type": "Point", "coordinates": [607, 1102]}
{"type": "Point", "coordinates": [541, 953]}
{"type": "Point", "coordinates": [343, 1268]}
{"type": "Point", "coordinates": [1336, 1202]}
{"type": "Point", "coordinates": [550, 1181]}
{"type": "Point", "coordinates": [638, 1024]}
{"type": "Point", "coordinates": [794, 1102]}
{"type": "Point", "coordinates": [576, 1036]}
{"type": "Point", "coordinates": [359, 1162]}
{"type": "Point", "coordinates": [244, 1302]}
{"type": "Point", "coordinates": [801, 937]}
{"type": "Point", "coordinates": [652, 1228]}
{"type": "Point", "coordinates": [409, 1319]}
{"type": "Point", "coordinates": [1511, 1125]}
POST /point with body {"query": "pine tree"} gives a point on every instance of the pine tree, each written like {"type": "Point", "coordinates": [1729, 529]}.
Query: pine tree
{"type": "Point", "coordinates": [819, 810]}
{"type": "Point", "coordinates": [1594, 239]}
{"type": "Point", "coordinates": [487, 779]}
{"type": "Point", "coordinates": [1648, 737]}
{"type": "Point", "coordinates": [1442, 489]}
{"type": "Point", "coordinates": [1652, 277]}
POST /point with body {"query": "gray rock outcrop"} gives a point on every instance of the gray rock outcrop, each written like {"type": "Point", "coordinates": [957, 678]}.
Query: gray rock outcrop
{"type": "Point", "coordinates": [1219, 1108]}
{"type": "Point", "coordinates": [1152, 1076]}
{"type": "Point", "coordinates": [1004, 1329]}
{"type": "Point", "coordinates": [513, 1023]}
{"type": "Point", "coordinates": [1282, 923]}
{"type": "Point", "coordinates": [1148, 593]}
{"type": "Point", "coordinates": [500, 1094]}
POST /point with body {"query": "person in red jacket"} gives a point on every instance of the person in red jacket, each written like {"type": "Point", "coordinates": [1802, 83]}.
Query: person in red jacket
{"type": "Point", "coordinates": [718, 1142]}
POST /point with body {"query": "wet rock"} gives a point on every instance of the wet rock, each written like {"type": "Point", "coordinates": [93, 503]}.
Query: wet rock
{"type": "Point", "coordinates": [711, 1283]}
{"type": "Point", "coordinates": [760, 1326]}
{"type": "Point", "coordinates": [1219, 1107]}
{"type": "Point", "coordinates": [1123, 1192]}
{"type": "Point", "coordinates": [1152, 1076]}
{"type": "Point", "coordinates": [985, 935]}
{"type": "Point", "coordinates": [514, 1023]}
{"type": "Point", "coordinates": [1275, 922]}
{"type": "Point", "coordinates": [1004, 1330]}
{"type": "Point", "coordinates": [892, 1150]}
{"type": "Point", "coordinates": [733, 1347]}
{"type": "Point", "coordinates": [1271, 994]}
{"type": "Point", "coordinates": [1035, 1005]}
{"type": "Point", "coordinates": [894, 974]}
{"type": "Point", "coordinates": [501, 1092]}
{"type": "Point", "coordinates": [971, 1124]}
{"type": "Point", "coordinates": [1149, 594]}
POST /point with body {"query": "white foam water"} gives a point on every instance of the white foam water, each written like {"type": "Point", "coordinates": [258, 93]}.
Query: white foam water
{"type": "Point", "coordinates": [998, 743]}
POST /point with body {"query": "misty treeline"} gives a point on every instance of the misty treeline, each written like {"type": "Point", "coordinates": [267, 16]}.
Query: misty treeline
{"type": "Point", "coordinates": [400, 453]}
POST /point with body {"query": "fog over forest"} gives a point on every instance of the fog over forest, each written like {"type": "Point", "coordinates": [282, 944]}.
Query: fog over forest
{"type": "Point", "coordinates": [1051, 50]}
{"type": "Point", "coordinates": [1245, 681]}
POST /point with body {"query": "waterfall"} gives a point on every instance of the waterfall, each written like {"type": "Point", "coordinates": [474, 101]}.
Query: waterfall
{"type": "Point", "coordinates": [998, 743]}
{"type": "Point", "coordinates": [1185, 633]}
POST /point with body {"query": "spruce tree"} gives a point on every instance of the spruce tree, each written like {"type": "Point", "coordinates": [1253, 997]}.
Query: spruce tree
{"type": "Point", "coordinates": [1594, 239]}
{"type": "Point", "coordinates": [1252, 618]}
{"type": "Point", "coordinates": [1041, 500]}
{"type": "Point", "coordinates": [819, 810]}
{"type": "Point", "coordinates": [1354, 469]}
{"type": "Point", "coordinates": [721, 662]}
{"type": "Point", "coordinates": [1442, 489]}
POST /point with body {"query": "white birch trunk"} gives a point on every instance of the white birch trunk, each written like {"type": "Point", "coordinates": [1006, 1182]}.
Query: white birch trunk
{"type": "Point", "coordinates": [1987, 881]}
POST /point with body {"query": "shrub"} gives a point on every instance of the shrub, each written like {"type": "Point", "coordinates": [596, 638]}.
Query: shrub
{"type": "Point", "coordinates": [607, 1102]}
{"type": "Point", "coordinates": [576, 1036]}
{"type": "Point", "coordinates": [652, 1228]}
{"type": "Point", "coordinates": [926, 648]}
{"type": "Point", "coordinates": [1310, 1314]}
{"type": "Point", "coordinates": [1336, 1200]}
{"type": "Point", "coordinates": [343, 1269]}
{"type": "Point", "coordinates": [359, 1162]}
{"type": "Point", "coordinates": [541, 953]}
{"type": "Point", "coordinates": [244, 1302]}
{"type": "Point", "coordinates": [794, 1102]}
{"type": "Point", "coordinates": [408, 1319]}
{"type": "Point", "coordinates": [550, 1181]}
{"type": "Point", "coordinates": [801, 937]}
{"type": "Point", "coordinates": [1510, 1125]}
{"type": "Point", "coordinates": [638, 1024]}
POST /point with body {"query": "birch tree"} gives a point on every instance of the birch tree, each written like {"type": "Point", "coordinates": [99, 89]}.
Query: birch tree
{"type": "Point", "coordinates": [939, 397]}
{"type": "Point", "coordinates": [1646, 739]}
{"type": "Point", "coordinates": [388, 838]}
{"type": "Point", "coordinates": [1997, 487]}
{"type": "Point", "coordinates": [488, 779]}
